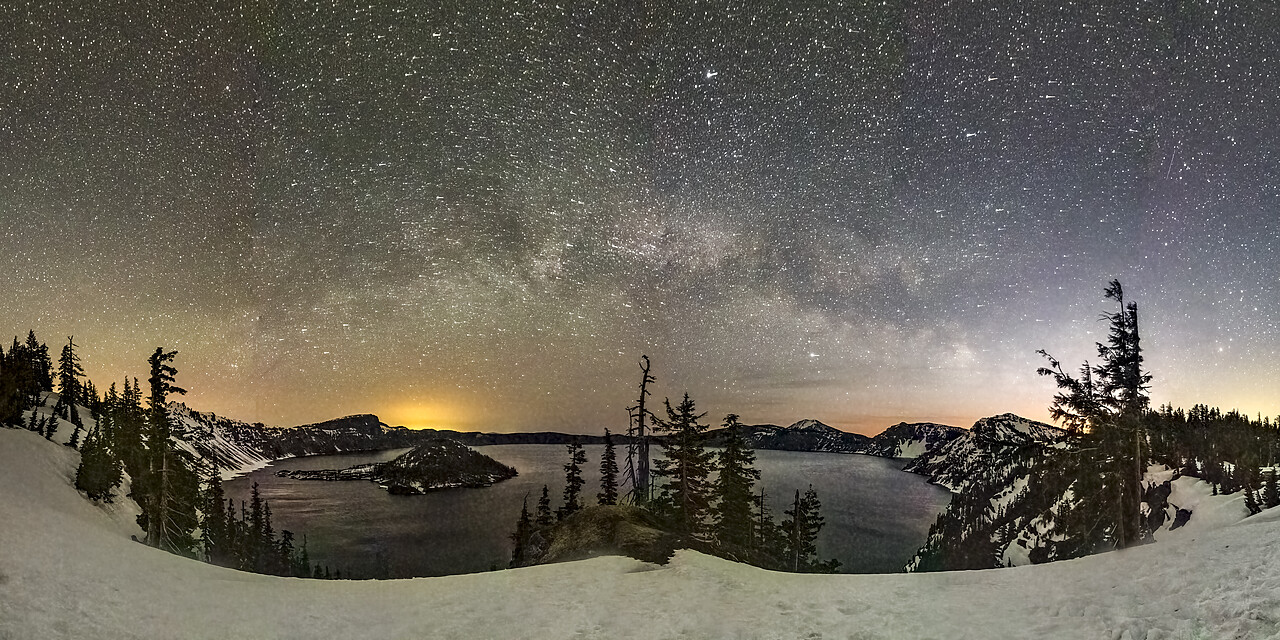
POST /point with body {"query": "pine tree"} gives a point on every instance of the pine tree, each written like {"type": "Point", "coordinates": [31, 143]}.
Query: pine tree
{"type": "Point", "coordinates": [12, 399]}
{"type": "Point", "coordinates": [285, 554]}
{"type": "Point", "coordinates": [130, 428]}
{"type": "Point", "coordinates": [733, 487]}
{"type": "Point", "coordinates": [573, 480]}
{"type": "Point", "coordinates": [608, 472]}
{"type": "Point", "coordinates": [170, 487]}
{"type": "Point", "coordinates": [213, 522]}
{"type": "Point", "coordinates": [49, 424]}
{"type": "Point", "coordinates": [803, 522]}
{"type": "Point", "coordinates": [1270, 491]}
{"type": "Point", "coordinates": [685, 498]}
{"type": "Point", "coordinates": [255, 530]}
{"type": "Point", "coordinates": [69, 374]}
{"type": "Point", "coordinates": [100, 471]}
{"type": "Point", "coordinates": [1105, 408]}
{"type": "Point", "coordinates": [544, 508]}
{"type": "Point", "coordinates": [304, 561]}
{"type": "Point", "coordinates": [40, 362]}
{"type": "Point", "coordinates": [520, 538]}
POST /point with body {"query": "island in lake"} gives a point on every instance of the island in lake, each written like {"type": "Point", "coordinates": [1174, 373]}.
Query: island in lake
{"type": "Point", "coordinates": [435, 464]}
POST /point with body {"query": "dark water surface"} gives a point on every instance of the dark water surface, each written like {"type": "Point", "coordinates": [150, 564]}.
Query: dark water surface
{"type": "Point", "coordinates": [876, 516]}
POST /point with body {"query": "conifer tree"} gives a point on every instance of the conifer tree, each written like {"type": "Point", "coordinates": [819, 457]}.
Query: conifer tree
{"type": "Point", "coordinates": [733, 487]}
{"type": "Point", "coordinates": [130, 427]}
{"type": "Point", "coordinates": [520, 538]}
{"type": "Point", "coordinates": [1270, 491]}
{"type": "Point", "coordinates": [544, 508]}
{"type": "Point", "coordinates": [213, 522]}
{"type": "Point", "coordinates": [40, 362]}
{"type": "Point", "coordinates": [100, 470]}
{"type": "Point", "coordinates": [685, 498]}
{"type": "Point", "coordinates": [49, 424]}
{"type": "Point", "coordinates": [171, 488]}
{"type": "Point", "coordinates": [285, 553]}
{"type": "Point", "coordinates": [304, 561]}
{"type": "Point", "coordinates": [800, 527]}
{"type": "Point", "coordinates": [608, 472]}
{"type": "Point", "coordinates": [573, 480]}
{"type": "Point", "coordinates": [69, 374]}
{"type": "Point", "coordinates": [12, 400]}
{"type": "Point", "coordinates": [1104, 407]}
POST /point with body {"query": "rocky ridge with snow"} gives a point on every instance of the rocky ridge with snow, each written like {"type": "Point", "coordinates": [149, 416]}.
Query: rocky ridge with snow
{"type": "Point", "coordinates": [911, 439]}
{"type": "Point", "coordinates": [986, 448]}
{"type": "Point", "coordinates": [804, 435]}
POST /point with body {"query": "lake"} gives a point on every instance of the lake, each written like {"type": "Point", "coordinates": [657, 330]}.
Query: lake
{"type": "Point", "coordinates": [876, 515]}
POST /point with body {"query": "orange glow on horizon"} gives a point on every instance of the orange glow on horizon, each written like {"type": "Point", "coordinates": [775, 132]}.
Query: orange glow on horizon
{"type": "Point", "coordinates": [424, 415]}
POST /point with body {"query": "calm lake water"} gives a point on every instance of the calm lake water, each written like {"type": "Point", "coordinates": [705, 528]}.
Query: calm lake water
{"type": "Point", "coordinates": [876, 515]}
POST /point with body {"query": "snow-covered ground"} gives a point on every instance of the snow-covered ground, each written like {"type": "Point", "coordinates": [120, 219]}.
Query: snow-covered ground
{"type": "Point", "coordinates": [69, 570]}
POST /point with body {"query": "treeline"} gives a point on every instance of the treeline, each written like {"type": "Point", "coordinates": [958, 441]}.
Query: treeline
{"type": "Point", "coordinates": [131, 437]}
{"type": "Point", "coordinates": [245, 539]}
{"type": "Point", "coordinates": [1091, 492]}
{"type": "Point", "coordinates": [707, 497]}
{"type": "Point", "coordinates": [1229, 450]}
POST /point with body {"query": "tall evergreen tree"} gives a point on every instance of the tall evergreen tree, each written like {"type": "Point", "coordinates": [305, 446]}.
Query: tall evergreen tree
{"type": "Point", "coordinates": [733, 518]}
{"type": "Point", "coordinates": [573, 480]}
{"type": "Point", "coordinates": [40, 362]}
{"type": "Point", "coordinates": [1270, 491]}
{"type": "Point", "coordinates": [12, 399]}
{"type": "Point", "coordinates": [1105, 408]}
{"type": "Point", "coordinates": [100, 470]}
{"type": "Point", "coordinates": [69, 374]}
{"type": "Point", "coordinates": [800, 527]}
{"type": "Point", "coordinates": [520, 538]}
{"type": "Point", "coordinates": [608, 472]}
{"type": "Point", "coordinates": [544, 508]}
{"type": "Point", "coordinates": [171, 488]}
{"type": "Point", "coordinates": [685, 497]}
{"type": "Point", "coordinates": [130, 427]}
{"type": "Point", "coordinates": [214, 536]}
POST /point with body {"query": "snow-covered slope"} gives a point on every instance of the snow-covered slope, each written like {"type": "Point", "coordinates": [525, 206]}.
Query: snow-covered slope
{"type": "Point", "coordinates": [990, 444]}
{"type": "Point", "coordinates": [911, 439]}
{"type": "Point", "coordinates": [69, 570]}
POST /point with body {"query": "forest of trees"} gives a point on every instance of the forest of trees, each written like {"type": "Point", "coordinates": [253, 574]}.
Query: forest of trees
{"type": "Point", "coordinates": [132, 437]}
{"type": "Point", "coordinates": [705, 496]}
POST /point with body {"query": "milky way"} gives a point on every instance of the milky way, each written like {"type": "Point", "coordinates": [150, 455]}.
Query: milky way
{"type": "Point", "coordinates": [469, 215]}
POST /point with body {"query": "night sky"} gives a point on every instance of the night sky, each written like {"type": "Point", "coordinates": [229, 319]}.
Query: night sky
{"type": "Point", "coordinates": [479, 215]}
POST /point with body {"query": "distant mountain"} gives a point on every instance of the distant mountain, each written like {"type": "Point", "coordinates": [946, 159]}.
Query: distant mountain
{"type": "Point", "coordinates": [238, 446]}
{"type": "Point", "coordinates": [805, 435]}
{"type": "Point", "coordinates": [911, 439]}
{"type": "Point", "coordinates": [436, 464]}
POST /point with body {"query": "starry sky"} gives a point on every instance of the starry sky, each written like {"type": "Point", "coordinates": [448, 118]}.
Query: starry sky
{"type": "Point", "coordinates": [478, 215]}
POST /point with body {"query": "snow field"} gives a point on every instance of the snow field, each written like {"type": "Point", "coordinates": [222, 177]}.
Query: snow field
{"type": "Point", "coordinates": [69, 570]}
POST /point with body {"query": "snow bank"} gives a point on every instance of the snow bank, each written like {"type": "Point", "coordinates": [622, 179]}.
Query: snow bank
{"type": "Point", "coordinates": [69, 570]}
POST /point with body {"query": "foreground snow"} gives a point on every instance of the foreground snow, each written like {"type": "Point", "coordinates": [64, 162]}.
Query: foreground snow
{"type": "Point", "coordinates": [68, 569]}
